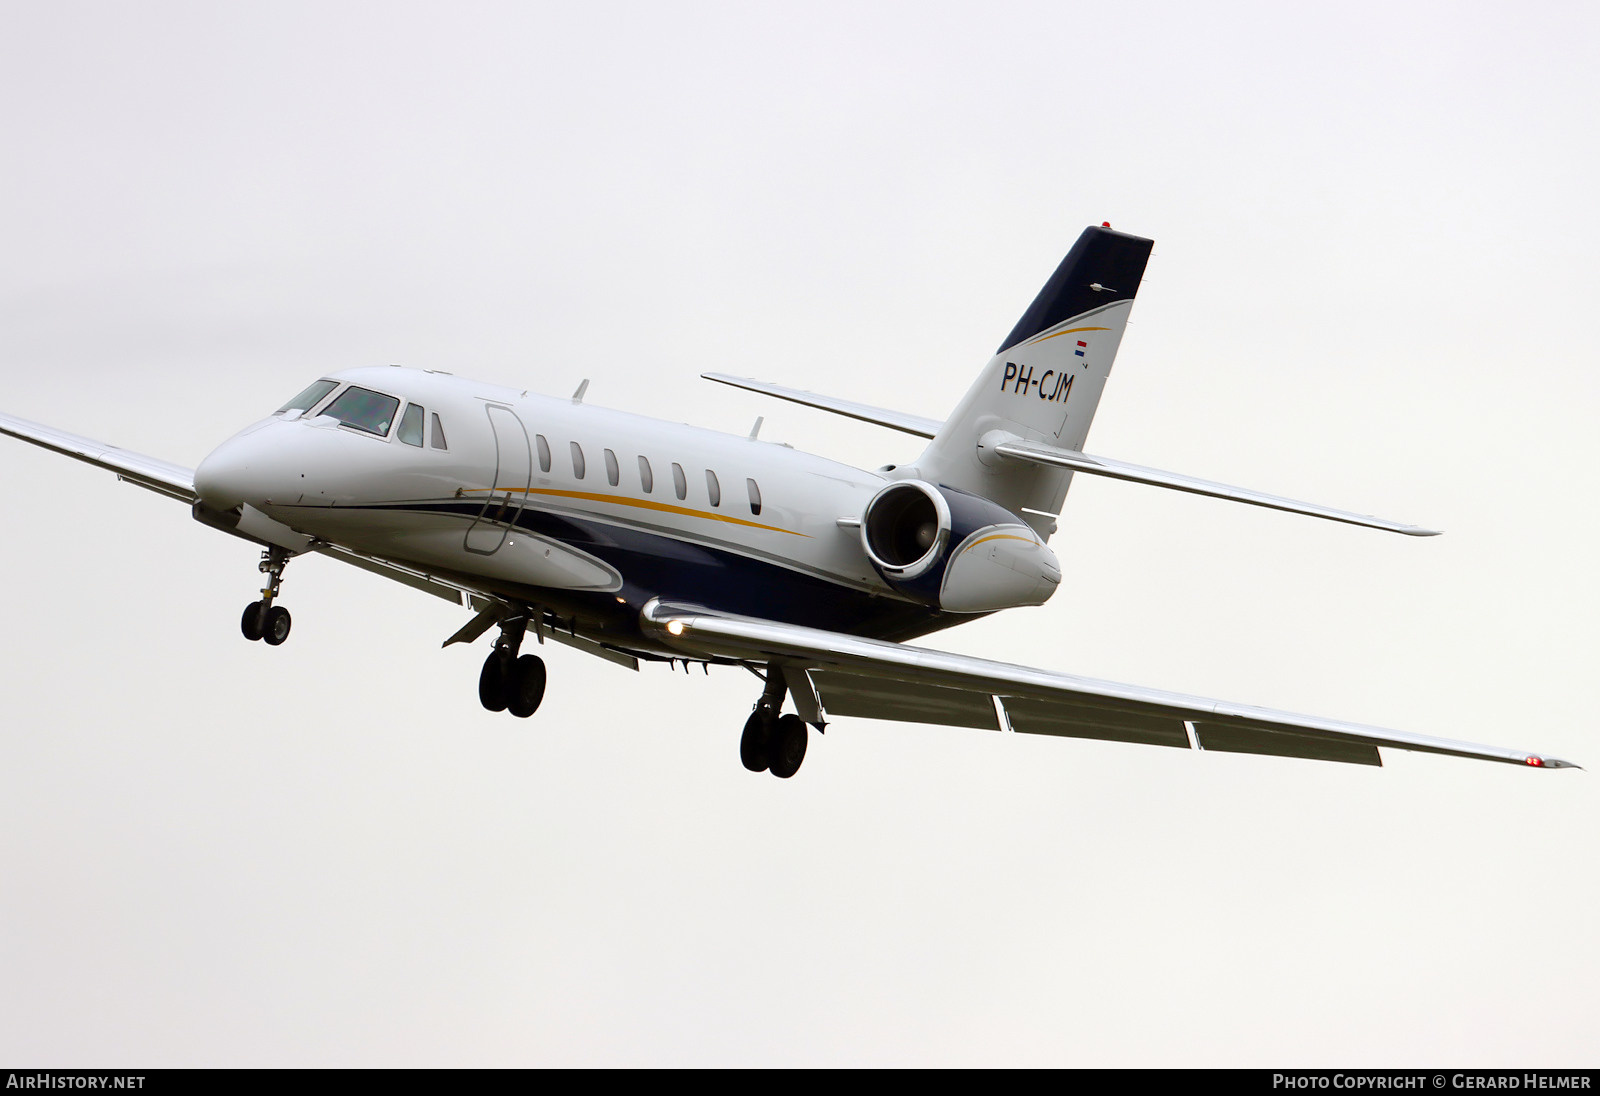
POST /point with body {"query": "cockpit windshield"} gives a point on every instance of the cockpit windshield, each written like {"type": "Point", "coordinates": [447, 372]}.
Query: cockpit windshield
{"type": "Point", "coordinates": [308, 399]}
{"type": "Point", "coordinates": [364, 409]}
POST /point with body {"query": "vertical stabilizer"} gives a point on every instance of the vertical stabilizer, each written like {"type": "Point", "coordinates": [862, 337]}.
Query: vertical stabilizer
{"type": "Point", "coordinates": [1046, 380]}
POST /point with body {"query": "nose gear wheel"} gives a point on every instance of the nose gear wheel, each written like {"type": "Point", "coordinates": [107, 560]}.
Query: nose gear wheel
{"type": "Point", "coordinates": [262, 619]}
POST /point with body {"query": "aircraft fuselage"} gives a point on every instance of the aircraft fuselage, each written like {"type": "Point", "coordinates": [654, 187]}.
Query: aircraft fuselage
{"type": "Point", "coordinates": [579, 509]}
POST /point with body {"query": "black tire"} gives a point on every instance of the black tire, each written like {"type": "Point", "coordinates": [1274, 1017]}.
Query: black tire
{"type": "Point", "coordinates": [251, 623]}
{"type": "Point", "coordinates": [755, 744]}
{"type": "Point", "coordinates": [526, 686]}
{"type": "Point", "coordinates": [276, 628]}
{"type": "Point", "coordinates": [788, 747]}
{"type": "Point", "coordinates": [492, 683]}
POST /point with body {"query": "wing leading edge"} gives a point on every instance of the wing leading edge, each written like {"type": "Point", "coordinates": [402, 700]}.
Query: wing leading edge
{"type": "Point", "coordinates": [880, 680]}
{"type": "Point", "coordinates": [162, 477]}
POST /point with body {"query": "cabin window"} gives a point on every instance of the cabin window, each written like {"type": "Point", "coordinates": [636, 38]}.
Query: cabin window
{"type": "Point", "coordinates": [365, 410]}
{"type": "Point", "coordinates": [438, 433]}
{"type": "Point", "coordinates": [713, 488]}
{"type": "Point", "coordinates": [613, 471]}
{"type": "Point", "coordinates": [680, 482]}
{"type": "Point", "coordinates": [755, 496]}
{"type": "Point", "coordinates": [411, 425]}
{"type": "Point", "coordinates": [544, 452]}
{"type": "Point", "coordinates": [308, 399]}
{"type": "Point", "coordinates": [647, 479]}
{"type": "Point", "coordinates": [577, 461]}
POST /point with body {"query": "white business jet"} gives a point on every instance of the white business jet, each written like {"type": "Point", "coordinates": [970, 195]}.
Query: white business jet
{"type": "Point", "coordinates": [637, 540]}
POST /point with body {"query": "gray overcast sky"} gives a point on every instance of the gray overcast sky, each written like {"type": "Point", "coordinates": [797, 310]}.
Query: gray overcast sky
{"type": "Point", "coordinates": [1372, 287]}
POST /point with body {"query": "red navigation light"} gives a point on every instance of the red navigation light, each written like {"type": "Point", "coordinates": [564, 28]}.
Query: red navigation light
{"type": "Point", "coordinates": [1536, 762]}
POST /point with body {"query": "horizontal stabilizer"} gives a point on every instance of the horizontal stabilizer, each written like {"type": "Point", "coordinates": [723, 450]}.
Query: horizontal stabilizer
{"type": "Point", "coordinates": [160, 476]}
{"type": "Point", "coordinates": [880, 416]}
{"type": "Point", "coordinates": [1038, 453]}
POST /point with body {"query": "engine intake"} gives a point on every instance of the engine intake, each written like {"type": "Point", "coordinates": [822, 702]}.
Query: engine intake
{"type": "Point", "coordinates": [906, 529]}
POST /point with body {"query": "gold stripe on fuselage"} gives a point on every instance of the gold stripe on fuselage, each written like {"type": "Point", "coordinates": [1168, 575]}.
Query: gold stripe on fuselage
{"type": "Point", "coordinates": [642, 504]}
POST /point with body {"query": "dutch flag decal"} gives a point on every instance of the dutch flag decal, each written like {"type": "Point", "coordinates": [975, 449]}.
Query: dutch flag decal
{"type": "Point", "coordinates": [1081, 345]}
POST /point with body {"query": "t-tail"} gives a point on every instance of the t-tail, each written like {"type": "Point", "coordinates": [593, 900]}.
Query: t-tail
{"type": "Point", "coordinates": [1045, 382]}
{"type": "Point", "coordinates": [1016, 438]}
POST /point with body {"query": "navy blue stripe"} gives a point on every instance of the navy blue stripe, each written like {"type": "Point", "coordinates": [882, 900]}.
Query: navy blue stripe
{"type": "Point", "coordinates": [656, 565]}
{"type": "Point", "coordinates": [1113, 260]}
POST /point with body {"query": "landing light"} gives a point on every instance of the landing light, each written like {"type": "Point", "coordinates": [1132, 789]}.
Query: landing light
{"type": "Point", "coordinates": [675, 627]}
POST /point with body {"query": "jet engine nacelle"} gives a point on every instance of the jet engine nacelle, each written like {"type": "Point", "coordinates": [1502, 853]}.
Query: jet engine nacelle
{"type": "Point", "coordinates": [957, 551]}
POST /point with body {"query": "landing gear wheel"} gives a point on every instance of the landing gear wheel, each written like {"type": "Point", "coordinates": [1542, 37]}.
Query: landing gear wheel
{"type": "Point", "coordinates": [492, 685]}
{"type": "Point", "coordinates": [276, 627]}
{"type": "Point", "coordinates": [788, 747]}
{"type": "Point", "coordinates": [755, 743]}
{"type": "Point", "coordinates": [525, 687]}
{"type": "Point", "coordinates": [251, 623]}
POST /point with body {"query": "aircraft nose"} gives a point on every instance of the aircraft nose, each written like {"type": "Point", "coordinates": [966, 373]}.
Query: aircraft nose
{"type": "Point", "coordinates": [241, 469]}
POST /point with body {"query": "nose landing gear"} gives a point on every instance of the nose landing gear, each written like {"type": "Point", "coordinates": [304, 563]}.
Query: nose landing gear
{"type": "Point", "coordinates": [262, 619]}
{"type": "Point", "coordinates": [509, 681]}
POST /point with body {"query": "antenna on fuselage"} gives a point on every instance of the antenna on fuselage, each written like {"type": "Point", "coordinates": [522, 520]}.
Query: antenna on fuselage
{"type": "Point", "coordinates": [756, 429]}
{"type": "Point", "coordinates": [577, 397]}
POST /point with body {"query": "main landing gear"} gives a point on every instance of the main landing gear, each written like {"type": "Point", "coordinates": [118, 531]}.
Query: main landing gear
{"type": "Point", "coordinates": [262, 619]}
{"type": "Point", "coordinates": [510, 682]}
{"type": "Point", "coordinates": [773, 742]}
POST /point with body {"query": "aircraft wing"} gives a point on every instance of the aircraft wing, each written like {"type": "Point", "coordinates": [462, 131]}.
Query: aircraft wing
{"type": "Point", "coordinates": [176, 481]}
{"type": "Point", "coordinates": [162, 477]}
{"type": "Point", "coordinates": [847, 675]}
{"type": "Point", "coordinates": [881, 416]}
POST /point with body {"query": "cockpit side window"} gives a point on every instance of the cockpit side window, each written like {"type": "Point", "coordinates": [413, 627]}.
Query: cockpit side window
{"type": "Point", "coordinates": [411, 425]}
{"type": "Point", "coordinates": [365, 410]}
{"type": "Point", "coordinates": [438, 433]}
{"type": "Point", "coordinates": [308, 399]}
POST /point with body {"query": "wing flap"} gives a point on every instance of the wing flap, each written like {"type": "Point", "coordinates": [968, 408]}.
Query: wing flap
{"type": "Point", "coordinates": [1069, 719]}
{"type": "Point", "coordinates": [883, 698]}
{"type": "Point", "coordinates": [163, 477]}
{"type": "Point", "coordinates": [1039, 453]}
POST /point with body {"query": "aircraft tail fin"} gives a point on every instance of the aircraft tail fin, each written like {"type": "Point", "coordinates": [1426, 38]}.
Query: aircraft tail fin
{"type": "Point", "coordinates": [1044, 384]}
